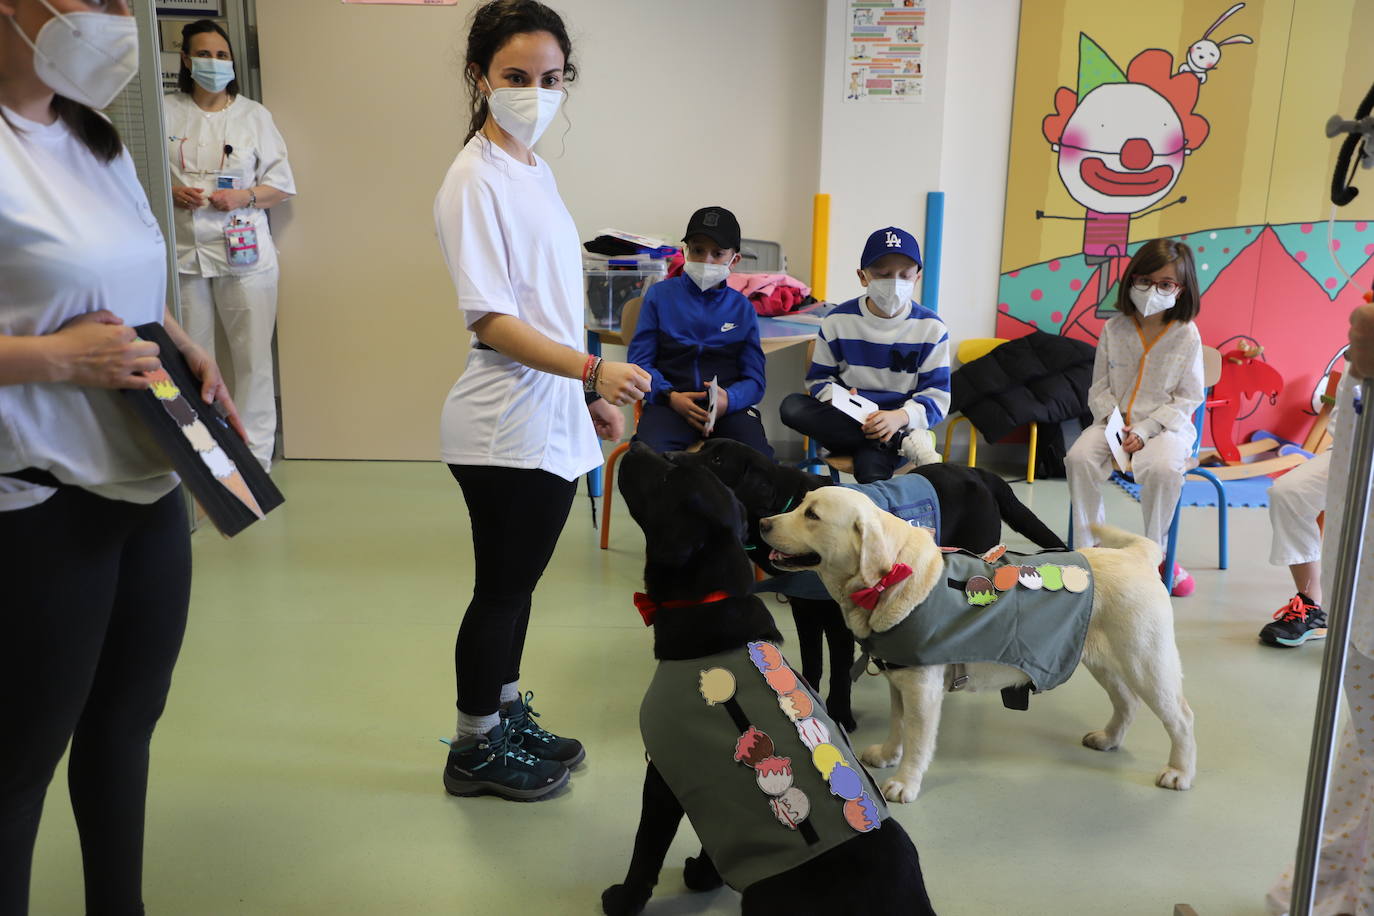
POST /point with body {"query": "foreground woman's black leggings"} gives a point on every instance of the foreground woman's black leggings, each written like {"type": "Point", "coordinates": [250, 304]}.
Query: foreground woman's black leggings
{"type": "Point", "coordinates": [517, 515]}
{"type": "Point", "coordinates": [94, 595]}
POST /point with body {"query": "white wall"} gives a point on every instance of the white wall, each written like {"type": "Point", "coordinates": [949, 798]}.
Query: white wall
{"type": "Point", "coordinates": [975, 141]}
{"type": "Point", "coordinates": [879, 160]}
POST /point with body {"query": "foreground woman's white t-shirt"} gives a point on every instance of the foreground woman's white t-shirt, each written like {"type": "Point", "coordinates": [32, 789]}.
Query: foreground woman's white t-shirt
{"type": "Point", "coordinates": [76, 236]}
{"type": "Point", "coordinates": [512, 248]}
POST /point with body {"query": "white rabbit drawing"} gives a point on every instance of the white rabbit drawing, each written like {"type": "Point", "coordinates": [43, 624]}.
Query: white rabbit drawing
{"type": "Point", "coordinates": [1205, 54]}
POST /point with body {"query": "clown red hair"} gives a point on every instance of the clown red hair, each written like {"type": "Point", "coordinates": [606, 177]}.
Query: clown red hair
{"type": "Point", "coordinates": [1153, 68]}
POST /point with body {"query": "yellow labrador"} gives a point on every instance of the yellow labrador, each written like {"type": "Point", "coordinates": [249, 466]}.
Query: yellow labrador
{"type": "Point", "coordinates": [1129, 645]}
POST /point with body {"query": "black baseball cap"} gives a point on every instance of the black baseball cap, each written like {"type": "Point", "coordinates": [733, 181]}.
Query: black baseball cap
{"type": "Point", "coordinates": [717, 224]}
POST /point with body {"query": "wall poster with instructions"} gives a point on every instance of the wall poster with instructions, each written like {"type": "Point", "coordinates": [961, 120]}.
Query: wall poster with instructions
{"type": "Point", "coordinates": [886, 46]}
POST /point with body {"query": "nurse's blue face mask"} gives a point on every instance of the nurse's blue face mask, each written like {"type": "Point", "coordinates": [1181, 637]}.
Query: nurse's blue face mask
{"type": "Point", "coordinates": [210, 74]}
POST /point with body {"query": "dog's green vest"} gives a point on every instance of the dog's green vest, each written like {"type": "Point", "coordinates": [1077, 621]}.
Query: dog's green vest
{"type": "Point", "coordinates": [974, 614]}
{"type": "Point", "coordinates": [767, 779]}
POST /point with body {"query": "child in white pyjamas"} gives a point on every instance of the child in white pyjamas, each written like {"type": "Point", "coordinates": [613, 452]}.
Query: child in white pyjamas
{"type": "Point", "coordinates": [1149, 364]}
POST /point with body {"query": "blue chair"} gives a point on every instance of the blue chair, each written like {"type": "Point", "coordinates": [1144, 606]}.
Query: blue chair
{"type": "Point", "coordinates": [1211, 371]}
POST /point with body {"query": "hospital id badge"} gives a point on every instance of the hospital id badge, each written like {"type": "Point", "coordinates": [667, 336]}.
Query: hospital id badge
{"type": "Point", "coordinates": [241, 243]}
{"type": "Point", "coordinates": [225, 182]}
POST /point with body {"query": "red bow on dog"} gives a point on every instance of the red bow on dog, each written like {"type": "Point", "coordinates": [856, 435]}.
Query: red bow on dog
{"type": "Point", "coordinates": [867, 598]}
{"type": "Point", "coordinates": [648, 607]}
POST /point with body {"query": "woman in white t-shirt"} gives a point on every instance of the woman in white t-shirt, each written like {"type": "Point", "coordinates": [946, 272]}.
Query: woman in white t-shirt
{"type": "Point", "coordinates": [515, 429]}
{"type": "Point", "coordinates": [95, 557]}
{"type": "Point", "coordinates": [229, 167]}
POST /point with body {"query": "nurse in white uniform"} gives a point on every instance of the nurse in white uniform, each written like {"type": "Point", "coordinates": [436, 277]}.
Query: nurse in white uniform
{"type": "Point", "coordinates": [229, 167]}
{"type": "Point", "coordinates": [95, 554]}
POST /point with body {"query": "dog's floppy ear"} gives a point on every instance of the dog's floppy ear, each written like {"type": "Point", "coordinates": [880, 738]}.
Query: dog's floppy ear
{"type": "Point", "coordinates": [875, 551]}
{"type": "Point", "coordinates": [716, 504]}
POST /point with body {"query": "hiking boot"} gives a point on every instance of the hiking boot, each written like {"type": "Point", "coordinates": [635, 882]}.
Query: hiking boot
{"type": "Point", "coordinates": [497, 764]}
{"type": "Point", "coordinates": [1184, 583]}
{"type": "Point", "coordinates": [519, 717]}
{"type": "Point", "coordinates": [1295, 623]}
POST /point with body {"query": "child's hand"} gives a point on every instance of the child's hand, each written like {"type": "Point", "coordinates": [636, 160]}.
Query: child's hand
{"type": "Point", "coordinates": [685, 403]}
{"type": "Point", "coordinates": [1132, 443]}
{"type": "Point", "coordinates": [884, 424]}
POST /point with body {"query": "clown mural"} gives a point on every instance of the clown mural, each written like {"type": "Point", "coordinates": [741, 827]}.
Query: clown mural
{"type": "Point", "coordinates": [1122, 140]}
{"type": "Point", "coordinates": [1201, 123]}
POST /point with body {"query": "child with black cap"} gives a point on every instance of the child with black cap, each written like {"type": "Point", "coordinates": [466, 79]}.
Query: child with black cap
{"type": "Point", "coordinates": [886, 348]}
{"type": "Point", "coordinates": [693, 328]}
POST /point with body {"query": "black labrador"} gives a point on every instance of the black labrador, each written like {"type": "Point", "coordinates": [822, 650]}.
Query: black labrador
{"type": "Point", "coordinates": [693, 529]}
{"type": "Point", "coordinates": [974, 503]}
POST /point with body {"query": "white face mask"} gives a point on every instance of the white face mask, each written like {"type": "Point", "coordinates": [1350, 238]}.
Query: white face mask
{"type": "Point", "coordinates": [86, 57]}
{"type": "Point", "coordinates": [1151, 301]}
{"type": "Point", "coordinates": [890, 295]}
{"type": "Point", "coordinates": [705, 275]}
{"type": "Point", "coordinates": [524, 113]}
{"type": "Point", "coordinates": [212, 75]}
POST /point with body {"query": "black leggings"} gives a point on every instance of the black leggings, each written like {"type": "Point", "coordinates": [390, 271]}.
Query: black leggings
{"type": "Point", "coordinates": [517, 515]}
{"type": "Point", "coordinates": [95, 598]}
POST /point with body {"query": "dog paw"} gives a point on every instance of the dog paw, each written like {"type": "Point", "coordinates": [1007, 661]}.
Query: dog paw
{"type": "Point", "coordinates": [623, 900]}
{"type": "Point", "coordinates": [898, 791]}
{"type": "Point", "coordinates": [1099, 741]}
{"type": "Point", "coordinates": [699, 874]}
{"type": "Point", "coordinates": [876, 755]}
{"type": "Point", "coordinates": [1171, 778]}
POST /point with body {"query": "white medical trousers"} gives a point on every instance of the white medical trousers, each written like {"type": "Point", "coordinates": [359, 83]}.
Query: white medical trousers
{"type": "Point", "coordinates": [1295, 501]}
{"type": "Point", "coordinates": [1158, 468]}
{"type": "Point", "coordinates": [247, 309]}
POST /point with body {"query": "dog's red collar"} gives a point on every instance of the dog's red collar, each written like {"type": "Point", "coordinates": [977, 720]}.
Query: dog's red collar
{"type": "Point", "coordinates": [867, 598]}
{"type": "Point", "coordinates": [648, 607]}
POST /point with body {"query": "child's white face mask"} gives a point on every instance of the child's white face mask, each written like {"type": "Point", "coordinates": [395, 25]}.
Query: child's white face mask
{"type": "Point", "coordinates": [1151, 301]}
{"type": "Point", "coordinates": [890, 295]}
{"type": "Point", "coordinates": [705, 275]}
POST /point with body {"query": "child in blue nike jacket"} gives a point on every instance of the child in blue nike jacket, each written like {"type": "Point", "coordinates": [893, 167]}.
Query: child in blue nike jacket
{"type": "Point", "coordinates": [693, 328]}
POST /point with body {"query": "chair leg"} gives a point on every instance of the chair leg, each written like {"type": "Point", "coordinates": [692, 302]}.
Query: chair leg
{"type": "Point", "coordinates": [1223, 534]}
{"type": "Point", "coordinates": [1069, 540]}
{"type": "Point", "coordinates": [1171, 549]}
{"type": "Point", "coordinates": [1034, 441]}
{"type": "Point", "coordinates": [608, 491]}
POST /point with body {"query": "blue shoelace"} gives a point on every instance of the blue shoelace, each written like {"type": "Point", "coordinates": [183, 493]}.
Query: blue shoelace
{"type": "Point", "coordinates": [509, 744]}
{"type": "Point", "coordinates": [525, 724]}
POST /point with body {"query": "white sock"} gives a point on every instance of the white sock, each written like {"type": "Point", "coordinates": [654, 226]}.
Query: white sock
{"type": "Point", "coordinates": [475, 725]}
{"type": "Point", "coordinates": [510, 692]}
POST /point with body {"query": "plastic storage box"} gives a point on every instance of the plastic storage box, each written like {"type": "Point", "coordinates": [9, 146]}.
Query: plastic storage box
{"type": "Point", "coordinates": [609, 288]}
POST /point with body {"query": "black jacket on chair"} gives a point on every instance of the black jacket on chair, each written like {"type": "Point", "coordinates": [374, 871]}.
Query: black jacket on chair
{"type": "Point", "coordinates": [1040, 377]}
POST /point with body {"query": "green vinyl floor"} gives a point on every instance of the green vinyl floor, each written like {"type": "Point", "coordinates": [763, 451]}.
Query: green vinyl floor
{"type": "Point", "coordinates": [297, 768]}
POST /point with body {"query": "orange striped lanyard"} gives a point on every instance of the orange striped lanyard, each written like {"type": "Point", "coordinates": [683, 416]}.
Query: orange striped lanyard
{"type": "Point", "coordinates": [1140, 371]}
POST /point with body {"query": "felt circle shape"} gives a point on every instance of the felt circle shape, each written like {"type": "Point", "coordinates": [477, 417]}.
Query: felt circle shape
{"type": "Point", "coordinates": [197, 434]}
{"type": "Point", "coordinates": [1005, 577]}
{"type": "Point", "coordinates": [753, 746]}
{"type": "Point", "coordinates": [796, 704]}
{"type": "Point", "coordinates": [791, 807]}
{"type": "Point", "coordinates": [716, 685]}
{"type": "Point", "coordinates": [782, 680]}
{"type": "Point", "coordinates": [220, 464]}
{"type": "Point", "coordinates": [826, 757]}
{"type": "Point", "coordinates": [774, 775]}
{"type": "Point", "coordinates": [1051, 576]}
{"type": "Point", "coordinates": [845, 783]}
{"type": "Point", "coordinates": [1030, 577]}
{"type": "Point", "coordinates": [980, 591]}
{"type": "Point", "coordinates": [765, 656]}
{"type": "Point", "coordinates": [861, 814]}
{"type": "Point", "coordinates": [812, 732]}
{"type": "Point", "coordinates": [1076, 579]}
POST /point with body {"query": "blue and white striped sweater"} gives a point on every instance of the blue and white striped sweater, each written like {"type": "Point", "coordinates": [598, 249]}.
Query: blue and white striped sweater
{"type": "Point", "coordinates": [894, 362]}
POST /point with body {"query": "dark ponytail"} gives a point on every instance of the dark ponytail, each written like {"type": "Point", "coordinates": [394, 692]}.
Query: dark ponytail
{"type": "Point", "coordinates": [493, 25]}
{"type": "Point", "coordinates": [90, 127]}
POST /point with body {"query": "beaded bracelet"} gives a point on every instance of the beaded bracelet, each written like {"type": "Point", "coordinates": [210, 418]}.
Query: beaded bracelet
{"type": "Point", "coordinates": [591, 378]}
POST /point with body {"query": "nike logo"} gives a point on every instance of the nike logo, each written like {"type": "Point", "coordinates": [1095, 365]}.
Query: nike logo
{"type": "Point", "coordinates": [728, 326]}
